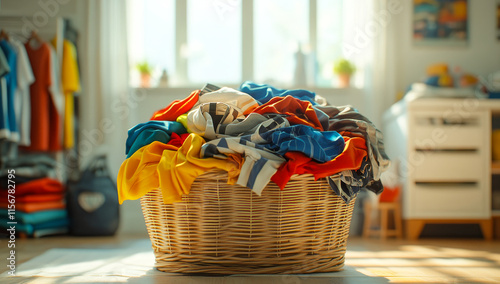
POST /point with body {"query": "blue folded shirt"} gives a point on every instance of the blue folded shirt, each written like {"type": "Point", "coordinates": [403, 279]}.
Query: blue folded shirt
{"type": "Point", "coordinates": [145, 133]}
{"type": "Point", "coordinates": [322, 146]}
{"type": "Point", "coordinates": [264, 93]}
{"type": "Point", "coordinates": [36, 217]}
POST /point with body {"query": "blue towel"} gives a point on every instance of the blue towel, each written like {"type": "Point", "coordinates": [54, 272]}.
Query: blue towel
{"type": "Point", "coordinates": [36, 217]}
{"type": "Point", "coordinates": [29, 229]}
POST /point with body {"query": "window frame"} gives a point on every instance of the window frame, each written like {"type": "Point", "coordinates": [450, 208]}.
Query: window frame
{"type": "Point", "coordinates": [247, 37]}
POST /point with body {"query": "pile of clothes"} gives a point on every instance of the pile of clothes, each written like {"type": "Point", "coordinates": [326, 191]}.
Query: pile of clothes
{"type": "Point", "coordinates": [257, 134]}
{"type": "Point", "coordinates": [32, 197]}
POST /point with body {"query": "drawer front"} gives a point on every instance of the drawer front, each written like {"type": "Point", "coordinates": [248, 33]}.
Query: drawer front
{"type": "Point", "coordinates": [454, 201]}
{"type": "Point", "coordinates": [447, 137]}
{"type": "Point", "coordinates": [439, 130]}
{"type": "Point", "coordinates": [448, 166]}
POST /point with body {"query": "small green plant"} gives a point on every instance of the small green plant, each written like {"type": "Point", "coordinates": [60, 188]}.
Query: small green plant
{"type": "Point", "coordinates": [144, 68]}
{"type": "Point", "coordinates": [344, 66]}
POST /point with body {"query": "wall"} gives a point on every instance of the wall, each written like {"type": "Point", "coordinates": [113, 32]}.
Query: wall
{"type": "Point", "coordinates": [41, 15]}
{"type": "Point", "coordinates": [481, 55]}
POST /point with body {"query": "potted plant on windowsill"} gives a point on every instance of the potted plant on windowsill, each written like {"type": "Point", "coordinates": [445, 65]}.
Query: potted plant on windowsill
{"type": "Point", "coordinates": [145, 69]}
{"type": "Point", "coordinates": [344, 70]}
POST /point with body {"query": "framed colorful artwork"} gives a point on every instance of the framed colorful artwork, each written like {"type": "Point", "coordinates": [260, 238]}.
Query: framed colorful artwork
{"type": "Point", "coordinates": [440, 22]}
{"type": "Point", "coordinates": [498, 20]}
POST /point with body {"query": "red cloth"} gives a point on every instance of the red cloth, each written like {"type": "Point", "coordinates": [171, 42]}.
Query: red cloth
{"type": "Point", "coordinates": [298, 163]}
{"type": "Point", "coordinates": [297, 111]}
{"type": "Point", "coordinates": [39, 186]}
{"type": "Point", "coordinates": [176, 140]}
{"type": "Point", "coordinates": [38, 206]}
{"type": "Point", "coordinates": [34, 198]}
{"type": "Point", "coordinates": [177, 107]}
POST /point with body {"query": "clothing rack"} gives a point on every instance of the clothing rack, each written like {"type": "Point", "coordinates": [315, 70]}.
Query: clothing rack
{"type": "Point", "coordinates": [21, 28]}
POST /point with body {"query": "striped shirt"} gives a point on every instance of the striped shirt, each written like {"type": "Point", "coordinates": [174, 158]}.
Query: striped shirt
{"type": "Point", "coordinates": [218, 120]}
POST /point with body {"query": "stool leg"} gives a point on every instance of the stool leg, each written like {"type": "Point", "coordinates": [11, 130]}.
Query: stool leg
{"type": "Point", "coordinates": [398, 221]}
{"type": "Point", "coordinates": [414, 228]}
{"type": "Point", "coordinates": [487, 229]}
{"type": "Point", "coordinates": [384, 224]}
{"type": "Point", "coordinates": [368, 218]}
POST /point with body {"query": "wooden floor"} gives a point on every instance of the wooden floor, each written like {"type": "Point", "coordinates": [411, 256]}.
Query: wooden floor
{"type": "Point", "coordinates": [367, 261]}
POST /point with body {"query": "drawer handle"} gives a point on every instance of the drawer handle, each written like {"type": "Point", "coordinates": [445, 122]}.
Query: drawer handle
{"type": "Point", "coordinates": [447, 183]}
{"type": "Point", "coordinates": [444, 121]}
{"type": "Point", "coordinates": [446, 150]}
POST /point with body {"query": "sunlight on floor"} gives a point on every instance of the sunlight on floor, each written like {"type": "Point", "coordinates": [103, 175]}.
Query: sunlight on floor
{"type": "Point", "coordinates": [427, 264]}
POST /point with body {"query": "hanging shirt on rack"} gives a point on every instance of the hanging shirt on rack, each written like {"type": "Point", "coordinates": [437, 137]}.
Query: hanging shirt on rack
{"type": "Point", "coordinates": [4, 70]}
{"type": "Point", "coordinates": [40, 97]}
{"type": "Point", "coordinates": [25, 78]}
{"type": "Point", "coordinates": [70, 79]}
{"type": "Point", "coordinates": [8, 110]}
{"type": "Point", "coordinates": [57, 105]}
{"type": "Point", "coordinates": [4, 65]}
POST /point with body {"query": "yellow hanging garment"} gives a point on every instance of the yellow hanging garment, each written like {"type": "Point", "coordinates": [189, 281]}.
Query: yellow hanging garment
{"type": "Point", "coordinates": [70, 80]}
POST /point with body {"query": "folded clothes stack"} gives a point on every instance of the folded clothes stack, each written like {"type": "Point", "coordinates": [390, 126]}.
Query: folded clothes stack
{"type": "Point", "coordinates": [258, 134]}
{"type": "Point", "coordinates": [32, 197]}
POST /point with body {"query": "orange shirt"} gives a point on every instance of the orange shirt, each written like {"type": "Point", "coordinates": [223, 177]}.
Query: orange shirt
{"type": "Point", "coordinates": [297, 111]}
{"type": "Point", "coordinates": [40, 186]}
{"type": "Point", "coordinates": [298, 163]}
{"type": "Point", "coordinates": [40, 97]}
{"type": "Point", "coordinates": [177, 107]}
{"type": "Point", "coordinates": [34, 198]}
{"type": "Point", "coordinates": [29, 207]}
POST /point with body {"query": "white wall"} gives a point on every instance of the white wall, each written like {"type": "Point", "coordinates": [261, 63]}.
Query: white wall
{"type": "Point", "coordinates": [481, 56]}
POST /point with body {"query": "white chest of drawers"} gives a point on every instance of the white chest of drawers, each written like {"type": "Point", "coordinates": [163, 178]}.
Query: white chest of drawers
{"type": "Point", "coordinates": [443, 148]}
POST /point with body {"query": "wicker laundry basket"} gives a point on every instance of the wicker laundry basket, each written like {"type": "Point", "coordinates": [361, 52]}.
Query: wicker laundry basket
{"type": "Point", "coordinates": [227, 229]}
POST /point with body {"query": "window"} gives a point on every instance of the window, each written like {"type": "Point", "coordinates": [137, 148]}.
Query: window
{"type": "Point", "coordinates": [288, 43]}
{"type": "Point", "coordinates": [213, 42]}
{"type": "Point", "coordinates": [280, 28]}
{"type": "Point", "coordinates": [152, 35]}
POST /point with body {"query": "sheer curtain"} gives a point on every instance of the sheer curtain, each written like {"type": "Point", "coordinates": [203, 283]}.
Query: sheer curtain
{"type": "Point", "coordinates": [104, 112]}
{"type": "Point", "coordinates": [369, 42]}
{"type": "Point", "coordinates": [108, 105]}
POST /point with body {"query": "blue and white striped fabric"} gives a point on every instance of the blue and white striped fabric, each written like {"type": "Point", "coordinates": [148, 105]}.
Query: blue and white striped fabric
{"type": "Point", "coordinates": [263, 150]}
{"type": "Point", "coordinates": [322, 146]}
{"type": "Point", "coordinates": [347, 118]}
{"type": "Point", "coordinates": [219, 120]}
{"type": "Point", "coordinates": [259, 166]}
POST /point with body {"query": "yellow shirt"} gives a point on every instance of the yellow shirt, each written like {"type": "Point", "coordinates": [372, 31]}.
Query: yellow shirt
{"type": "Point", "coordinates": [183, 118]}
{"type": "Point", "coordinates": [173, 170]}
{"type": "Point", "coordinates": [70, 80]}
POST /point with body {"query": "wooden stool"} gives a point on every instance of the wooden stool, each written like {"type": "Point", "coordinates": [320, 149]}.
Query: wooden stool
{"type": "Point", "coordinates": [384, 208]}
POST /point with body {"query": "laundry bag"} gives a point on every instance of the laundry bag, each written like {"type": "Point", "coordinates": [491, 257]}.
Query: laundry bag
{"type": "Point", "coordinates": [227, 229]}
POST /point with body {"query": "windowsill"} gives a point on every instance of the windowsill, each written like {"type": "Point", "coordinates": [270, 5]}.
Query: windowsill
{"type": "Point", "coordinates": [196, 87]}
